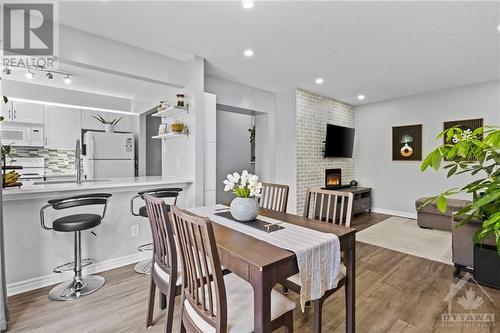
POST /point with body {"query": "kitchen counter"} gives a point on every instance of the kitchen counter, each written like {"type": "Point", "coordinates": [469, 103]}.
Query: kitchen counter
{"type": "Point", "coordinates": [57, 189]}
{"type": "Point", "coordinates": [60, 174]}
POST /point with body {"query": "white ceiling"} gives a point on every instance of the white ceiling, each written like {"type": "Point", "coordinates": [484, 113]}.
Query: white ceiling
{"type": "Point", "coordinates": [384, 50]}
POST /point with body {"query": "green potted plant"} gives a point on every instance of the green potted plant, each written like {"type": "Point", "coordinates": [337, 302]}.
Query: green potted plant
{"type": "Point", "coordinates": [476, 153]}
{"type": "Point", "coordinates": [109, 125]}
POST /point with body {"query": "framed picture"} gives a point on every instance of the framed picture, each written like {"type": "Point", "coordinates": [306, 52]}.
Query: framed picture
{"type": "Point", "coordinates": [469, 124]}
{"type": "Point", "coordinates": [407, 143]}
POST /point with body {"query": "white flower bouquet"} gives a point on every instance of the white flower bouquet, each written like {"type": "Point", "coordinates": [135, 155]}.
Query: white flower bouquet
{"type": "Point", "coordinates": [244, 186]}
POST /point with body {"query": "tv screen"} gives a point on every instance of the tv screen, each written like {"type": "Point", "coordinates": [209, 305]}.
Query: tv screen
{"type": "Point", "coordinates": [339, 141]}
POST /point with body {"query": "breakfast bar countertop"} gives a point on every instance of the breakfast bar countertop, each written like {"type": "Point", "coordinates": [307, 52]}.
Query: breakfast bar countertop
{"type": "Point", "coordinates": [68, 187]}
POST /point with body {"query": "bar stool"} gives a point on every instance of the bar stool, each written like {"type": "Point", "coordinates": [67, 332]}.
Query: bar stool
{"type": "Point", "coordinates": [144, 266]}
{"type": "Point", "coordinates": [79, 285]}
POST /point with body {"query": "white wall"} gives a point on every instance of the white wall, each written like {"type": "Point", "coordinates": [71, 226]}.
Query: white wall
{"type": "Point", "coordinates": [184, 156]}
{"type": "Point", "coordinates": [286, 143]}
{"type": "Point", "coordinates": [262, 103]}
{"type": "Point", "coordinates": [95, 52]}
{"type": "Point", "coordinates": [210, 144]}
{"type": "Point", "coordinates": [239, 95]}
{"type": "Point", "coordinates": [64, 96]}
{"type": "Point", "coordinates": [397, 184]}
{"type": "Point", "coordinates": [233, 149]}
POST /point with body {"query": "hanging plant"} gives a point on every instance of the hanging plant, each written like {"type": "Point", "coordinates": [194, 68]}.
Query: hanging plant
{"type": "Point", "coordinates": [252, 134]}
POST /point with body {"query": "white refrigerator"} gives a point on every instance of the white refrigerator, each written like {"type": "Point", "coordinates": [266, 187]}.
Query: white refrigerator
{"type": "Point", "coordinates": [108, 155]}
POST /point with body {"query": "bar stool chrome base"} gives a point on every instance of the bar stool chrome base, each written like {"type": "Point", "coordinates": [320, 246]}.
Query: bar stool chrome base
{"type": "Point", "coordinates": [144, 267]}
{"type": "Point", "coordinates": [71, 265]}
{"type": "Point", "coordinates": [76, 288]}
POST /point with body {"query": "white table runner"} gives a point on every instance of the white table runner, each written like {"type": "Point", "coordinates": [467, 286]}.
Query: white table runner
{"type": "Point", "coordinates": [318, 253]}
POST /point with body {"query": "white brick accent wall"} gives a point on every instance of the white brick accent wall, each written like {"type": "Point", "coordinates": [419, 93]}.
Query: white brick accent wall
{"type": "Point", "coordinates": [313, 113]}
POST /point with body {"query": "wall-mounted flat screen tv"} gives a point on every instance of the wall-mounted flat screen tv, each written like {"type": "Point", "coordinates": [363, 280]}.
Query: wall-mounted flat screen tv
{"type": "Point", "coordinates": [339, 141]}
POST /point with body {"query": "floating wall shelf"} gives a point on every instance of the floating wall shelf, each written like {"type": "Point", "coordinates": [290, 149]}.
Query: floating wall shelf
{"type": "Point", "coordinates": [169, 136]}
{"type": "Point", "coordinates": [171, 111]}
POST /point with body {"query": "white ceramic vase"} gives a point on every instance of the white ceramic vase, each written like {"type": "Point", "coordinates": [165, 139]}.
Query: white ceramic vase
{"type": "Point", "coordinates": [109, 128]}
{"type": "Point", "coordinates": [244, 209]}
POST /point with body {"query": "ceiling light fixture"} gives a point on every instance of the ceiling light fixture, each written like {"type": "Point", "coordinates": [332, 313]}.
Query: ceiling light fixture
{"type": "Point", "coordinates": [498, 27]}
{"type": "Point", "coordinates": [248, 53]}
{"type": "Point", "coordinates": [319, 80]}
{"type": "Point", "coordinates": [361, 97]}
{"type": "Point", "coordinates": [30, 72]}
{"type": "Point", "coordinates": [247, 4]}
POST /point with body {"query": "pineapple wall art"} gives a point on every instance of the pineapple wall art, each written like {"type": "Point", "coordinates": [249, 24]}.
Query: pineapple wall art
{"type": "Point", "coordinates": [407, 143]}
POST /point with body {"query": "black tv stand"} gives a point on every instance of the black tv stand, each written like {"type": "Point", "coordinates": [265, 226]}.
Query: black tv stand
{"type": "Point", "coordinates": [362, 197]}
{"type": "Point", "coordinates": [338, 187]}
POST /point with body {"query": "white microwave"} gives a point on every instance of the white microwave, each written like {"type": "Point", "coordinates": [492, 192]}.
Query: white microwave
{"type": "Point", "coordinates": [21, 136]}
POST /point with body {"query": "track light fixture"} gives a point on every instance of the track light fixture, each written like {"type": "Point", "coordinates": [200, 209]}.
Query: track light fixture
{"type": "Point", "coordinates": [49, 74]}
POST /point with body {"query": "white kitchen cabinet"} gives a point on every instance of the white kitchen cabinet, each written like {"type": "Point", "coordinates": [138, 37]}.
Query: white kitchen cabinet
{"type": "Point", "coordinates": [4, 109]}
{"type": "Point", "coordinates": [90, 123]}
{"type": "Point", "coordinates": [22, 112]}
{"type": "Point", "coordinates": [62, 127]}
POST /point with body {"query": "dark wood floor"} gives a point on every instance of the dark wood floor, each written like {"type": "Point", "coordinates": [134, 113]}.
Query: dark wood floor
{"type": "Point", "coordinates": [395, 293]}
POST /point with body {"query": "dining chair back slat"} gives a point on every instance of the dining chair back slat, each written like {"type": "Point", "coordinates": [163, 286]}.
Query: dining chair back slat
{"type": "Point", "coordinates": [318, 206]}
{"type": "Point", "coordinates": [164, 252]}
{"type": "Point", "coordinates": [203, 285]}
{"type": "Point", "coordinates": [274, 197]}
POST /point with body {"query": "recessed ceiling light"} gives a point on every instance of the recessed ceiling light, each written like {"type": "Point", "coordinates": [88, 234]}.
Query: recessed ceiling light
{"type": "Point", "coordinates": [248, 53]}
{"type": "Point", "coordinates": [498, 27]}
{"type": "Point", "coordinates": [247, 4]}
{"type": "Point", "coordinates": [319, 80]}
{"type": "Point", "coordinates": [67, 79]}
{"type": "Point", "coordinates": [361, 97]}
{"type": "Point", "coordinates": [30, 75]}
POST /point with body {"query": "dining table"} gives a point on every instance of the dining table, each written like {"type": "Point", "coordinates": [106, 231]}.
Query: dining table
{"type": "Point", "coordinates": [264, 265]}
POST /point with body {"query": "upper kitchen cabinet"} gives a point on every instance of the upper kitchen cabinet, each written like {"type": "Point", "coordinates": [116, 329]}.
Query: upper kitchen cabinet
{"type": "Point", "coordinates": [21, 112]}
{"type": "Point", "coordinates": [90, 123]}
{"type": "Point", "coordinates": [62, 127]}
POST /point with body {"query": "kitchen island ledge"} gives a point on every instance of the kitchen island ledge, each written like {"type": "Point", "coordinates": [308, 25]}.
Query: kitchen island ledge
{"type": "Point", "coordinates": [55, 189]}
{"type": "Point", "coordinates": [32, 252]}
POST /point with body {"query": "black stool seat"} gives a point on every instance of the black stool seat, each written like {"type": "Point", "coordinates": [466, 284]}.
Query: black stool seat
{"type": "Point", "coordinates": [143, 212]}
{"type": "Point", "coordinates": [76, 222]}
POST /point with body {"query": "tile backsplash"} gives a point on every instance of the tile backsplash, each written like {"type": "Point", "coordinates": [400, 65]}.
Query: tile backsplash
{"type": "Point", "coordinates": [56, 161]}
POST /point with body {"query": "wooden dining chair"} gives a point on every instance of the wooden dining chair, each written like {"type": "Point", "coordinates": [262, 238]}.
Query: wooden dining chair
{"type": "Point", "coordinates": [274, 197]}
{"type": "Point", "coordinates": [165, 272]}
{"type": "Point", "coordinates": [211, 302]}
{"type": "Point", "coordinates": [328, 207]}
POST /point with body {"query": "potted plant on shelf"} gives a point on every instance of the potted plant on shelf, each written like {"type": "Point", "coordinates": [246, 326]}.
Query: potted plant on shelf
{"type": "Point", "coordinates": [247, 189]}
{"type": "Point", "coordinates": [476, 153]}
{"type": "Point", "coordinates": [178, 127]}
{"type": "Point", "coordinates": [109, 125]}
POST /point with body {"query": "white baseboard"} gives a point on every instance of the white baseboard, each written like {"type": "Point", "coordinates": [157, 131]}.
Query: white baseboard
{"type": "Point", "coordinates": [47, 280]}
{"type": "Point", "coordinates": [409, 215]}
